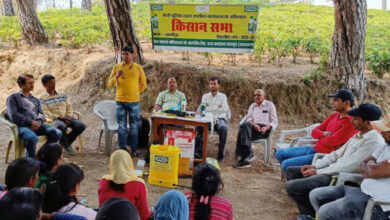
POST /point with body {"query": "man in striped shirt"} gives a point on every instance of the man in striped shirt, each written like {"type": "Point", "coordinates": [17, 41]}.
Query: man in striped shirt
{"type": "Point", "coordinates": [58, 112]}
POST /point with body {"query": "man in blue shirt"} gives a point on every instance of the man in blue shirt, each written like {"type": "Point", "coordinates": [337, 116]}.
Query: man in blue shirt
{"type": "Point", "coordinates": [24, 110]}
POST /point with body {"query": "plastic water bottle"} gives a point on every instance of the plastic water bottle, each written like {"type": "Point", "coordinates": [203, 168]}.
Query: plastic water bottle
{"type": "Point", "coordinates": [178, 105]}
{"type": "Point", "coordinates": [183, 104]}
{"type": "Point", "coordinates": [203, 109]}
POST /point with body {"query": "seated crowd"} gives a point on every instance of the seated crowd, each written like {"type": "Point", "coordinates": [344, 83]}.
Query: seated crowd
{"type": "Point", "coordinates": [41, 186]}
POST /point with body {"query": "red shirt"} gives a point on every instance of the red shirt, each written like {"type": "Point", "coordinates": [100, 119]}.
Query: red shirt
{"type": "Point", "coordinates": [134, 191]}
{"type": "Point", "coordinates": [341, 128]}
{"type": "Point", "coordinates": [221, 209]}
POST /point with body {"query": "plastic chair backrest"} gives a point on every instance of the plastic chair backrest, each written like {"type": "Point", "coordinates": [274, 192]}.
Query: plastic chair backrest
{"type": "Point", "coordinates": [106, 109]}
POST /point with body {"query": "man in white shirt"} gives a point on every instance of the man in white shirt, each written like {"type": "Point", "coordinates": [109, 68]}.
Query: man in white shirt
{"type": "Point", "coordinates": [303, 179]}
{"type": "Point", "coordinates": [216, 103]}
{"type": "Point", "coordinates": [346, 202]}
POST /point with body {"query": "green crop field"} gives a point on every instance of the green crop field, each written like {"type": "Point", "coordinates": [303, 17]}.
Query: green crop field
{"type": "Point", "coordinates": [283, 30]}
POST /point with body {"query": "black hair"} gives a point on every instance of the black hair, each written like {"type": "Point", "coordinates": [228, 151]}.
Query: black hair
{"type": "Point", "coordinates": [63, 181]}
{"type": "Point", "coordinates": [48, 156]}
{"type": "Point", "coordinates": [21, 203]}
{"type": "Point", "coordinates": [215, 78]}
{"type": "Point", "coordinates": [117, 208]}
{"type": "Point", "coordinates": [20, 171]}
{"type": "Point", "coordinates": [351, 103]}
{"type": "Point", "coordinates": [117, 187]}
{"type": "Point", "coordinates": [128, 49]}
{"type": "Point", "coordinates": [171, 76]}
{"type": "Point", "coordinates": [46, 78]}
{"type": "Point", "coordinates": [206, 182]}
{"type": "Point", "coordinates": [22, 79]}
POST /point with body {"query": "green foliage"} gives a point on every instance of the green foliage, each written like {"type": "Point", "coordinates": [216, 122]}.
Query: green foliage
{"type": "Point", "coordinates": [283, 30]}
{"type": "Point", "coordinates": [379, 62]}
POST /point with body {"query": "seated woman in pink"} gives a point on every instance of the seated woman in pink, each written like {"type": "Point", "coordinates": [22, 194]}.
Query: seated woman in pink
{"type": "Point", "coordinates": [203, 201]}
{"type": "Point", "coordinates": [123, 182]}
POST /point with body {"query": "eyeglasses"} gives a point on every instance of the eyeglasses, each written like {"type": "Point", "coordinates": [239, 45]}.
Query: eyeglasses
{"type": "Point", "coordinates": [257, 95]}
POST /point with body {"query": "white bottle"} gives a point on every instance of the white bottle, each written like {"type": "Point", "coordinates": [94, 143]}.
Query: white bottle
{"type": "Point", "coordinates": [254, 26]}
{"type": "Point", "coordinates": [183, 104]}
{"type": "Point", "coordinates": [155, 22]}
{"type": "Point", "coordinates": [250, 25]}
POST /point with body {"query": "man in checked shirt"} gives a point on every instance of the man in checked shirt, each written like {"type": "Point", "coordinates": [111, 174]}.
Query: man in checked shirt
{"type": "Point", "coordinates": [261, 119]}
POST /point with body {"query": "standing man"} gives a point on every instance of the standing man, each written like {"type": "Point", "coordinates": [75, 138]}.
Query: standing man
{"type": "Point", "coordinates": [25, 111]}
{"type": "Point", "coordinates": [216, 103]}
{"type": "Point", "coordinates": [303, 179]}
{"type": "Point", "coordinates": [331, 133]}
{"type": "Point", "coordinates": [129, 79]}
{"type": "Point", "coordinates": [261, 119]}
{"type": "Point", "coordinates": [169, 98]}
{"type": "Point", "coordinates": [58, 111]}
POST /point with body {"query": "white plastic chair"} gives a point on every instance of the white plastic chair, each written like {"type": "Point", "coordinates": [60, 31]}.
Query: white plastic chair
{"type": "Point", "coordinates": [266, 142]}
{"type": "Point", "coordinates": [358, 178]}
{"type": "Point", "coordinates": [297, 141]}
{"type": "Point", "coordinates": [105, 110]}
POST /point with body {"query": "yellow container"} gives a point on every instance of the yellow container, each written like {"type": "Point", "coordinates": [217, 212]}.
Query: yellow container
{"type": "Point", "coordinates": [164, 165]}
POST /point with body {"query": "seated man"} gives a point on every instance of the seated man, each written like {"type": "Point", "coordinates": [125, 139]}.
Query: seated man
{"type": "Point", "coordinates": [332, 133]}
{"type": "Point", "coordinates": [261, 119]}
{"type": "Point", "coordinates": [216, 103]}
{"type": "Point", "coordinates": [58, 111]}
{"type": "Point", "coordinates": [346, 202]}
{"type": "Point", "coordinates": [301, 180]}
{"type": "Point", "coordinates": [170, 98]}
{"type": "Point", "coordinates": [25, 111]}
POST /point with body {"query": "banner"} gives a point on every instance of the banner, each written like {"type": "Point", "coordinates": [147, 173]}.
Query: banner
{"type": "Point", "coordinates": [204, 28]}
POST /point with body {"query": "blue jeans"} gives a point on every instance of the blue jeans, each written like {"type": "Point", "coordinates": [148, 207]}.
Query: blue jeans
{"type": "Point", "coordinates": [295, 156]}
{"type": "Point", "coordinates": [30, 137]}
{"type": "Point", "coordinates": [342, 202]}
{"type": "Point", "coordinates": [132, 109]}
{"type": "Point", "coordinates": [65, 216]}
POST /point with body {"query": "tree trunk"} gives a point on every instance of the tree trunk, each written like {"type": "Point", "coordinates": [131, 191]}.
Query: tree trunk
{"type": "Point", "coordinates": [348, 59]}
{"type": "Point", "coordinates": [54, 4]}
{"type": "Point", "coordinates": [86, 5]}
{"type": "Point", "coordinates": [70, 3]}
{"type": "Point", "coordinates": [8, 8]}
{"type": "Point", "coordinates": [32, 28]}
{"type": "Point", "coordinates": [122, 29]}
{"type": "Point", "coordinates": [384, 4]}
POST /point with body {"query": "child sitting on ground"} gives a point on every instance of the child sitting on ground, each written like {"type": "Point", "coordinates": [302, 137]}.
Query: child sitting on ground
{"type": "Point", "coordinates": [60, 194]}
{"type": "Point", "coordinates": [50, 157]}
{"type": "Point", "coordinates": [203, 201]}
{"type": "Point", "coordinates": [21, 172]}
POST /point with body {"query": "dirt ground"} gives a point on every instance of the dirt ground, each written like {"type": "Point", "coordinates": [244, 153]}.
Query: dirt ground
{"type": "Point", "coordinates": [256, 192]}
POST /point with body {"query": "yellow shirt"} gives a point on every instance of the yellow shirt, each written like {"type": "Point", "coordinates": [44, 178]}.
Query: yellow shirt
{"type": "Point", "coordinates": [55, 105]}
{"type": "Point", "coordinates": [130, 84]}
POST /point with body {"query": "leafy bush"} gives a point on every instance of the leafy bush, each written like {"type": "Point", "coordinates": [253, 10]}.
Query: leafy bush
{"type": "Point", "coordinates": [379, 62]}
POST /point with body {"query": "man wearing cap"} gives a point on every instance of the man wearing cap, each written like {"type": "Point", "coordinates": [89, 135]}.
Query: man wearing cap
{"type": "Point", "coordinates": [331, 133]}
{"type": "Point", "coordinates": [303, 179]}
{"type": "Point", "coordinates": [346, 202]}
{"type": "Point", "coordinates": [129, 79]}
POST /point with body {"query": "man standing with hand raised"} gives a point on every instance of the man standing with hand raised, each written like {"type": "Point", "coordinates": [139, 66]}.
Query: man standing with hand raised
{"type": "Point", "coordinates": [129, 79]}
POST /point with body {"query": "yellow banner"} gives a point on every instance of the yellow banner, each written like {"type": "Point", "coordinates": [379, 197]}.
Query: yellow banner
{"type": "Point", "coordinates": [204, 28]}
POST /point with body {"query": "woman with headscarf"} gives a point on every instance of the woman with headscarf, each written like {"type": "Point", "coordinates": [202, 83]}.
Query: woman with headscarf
{"type": "Point", "coordinates": [123, 182]}
{"type": "Point", "coordinates": [173, 205]}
